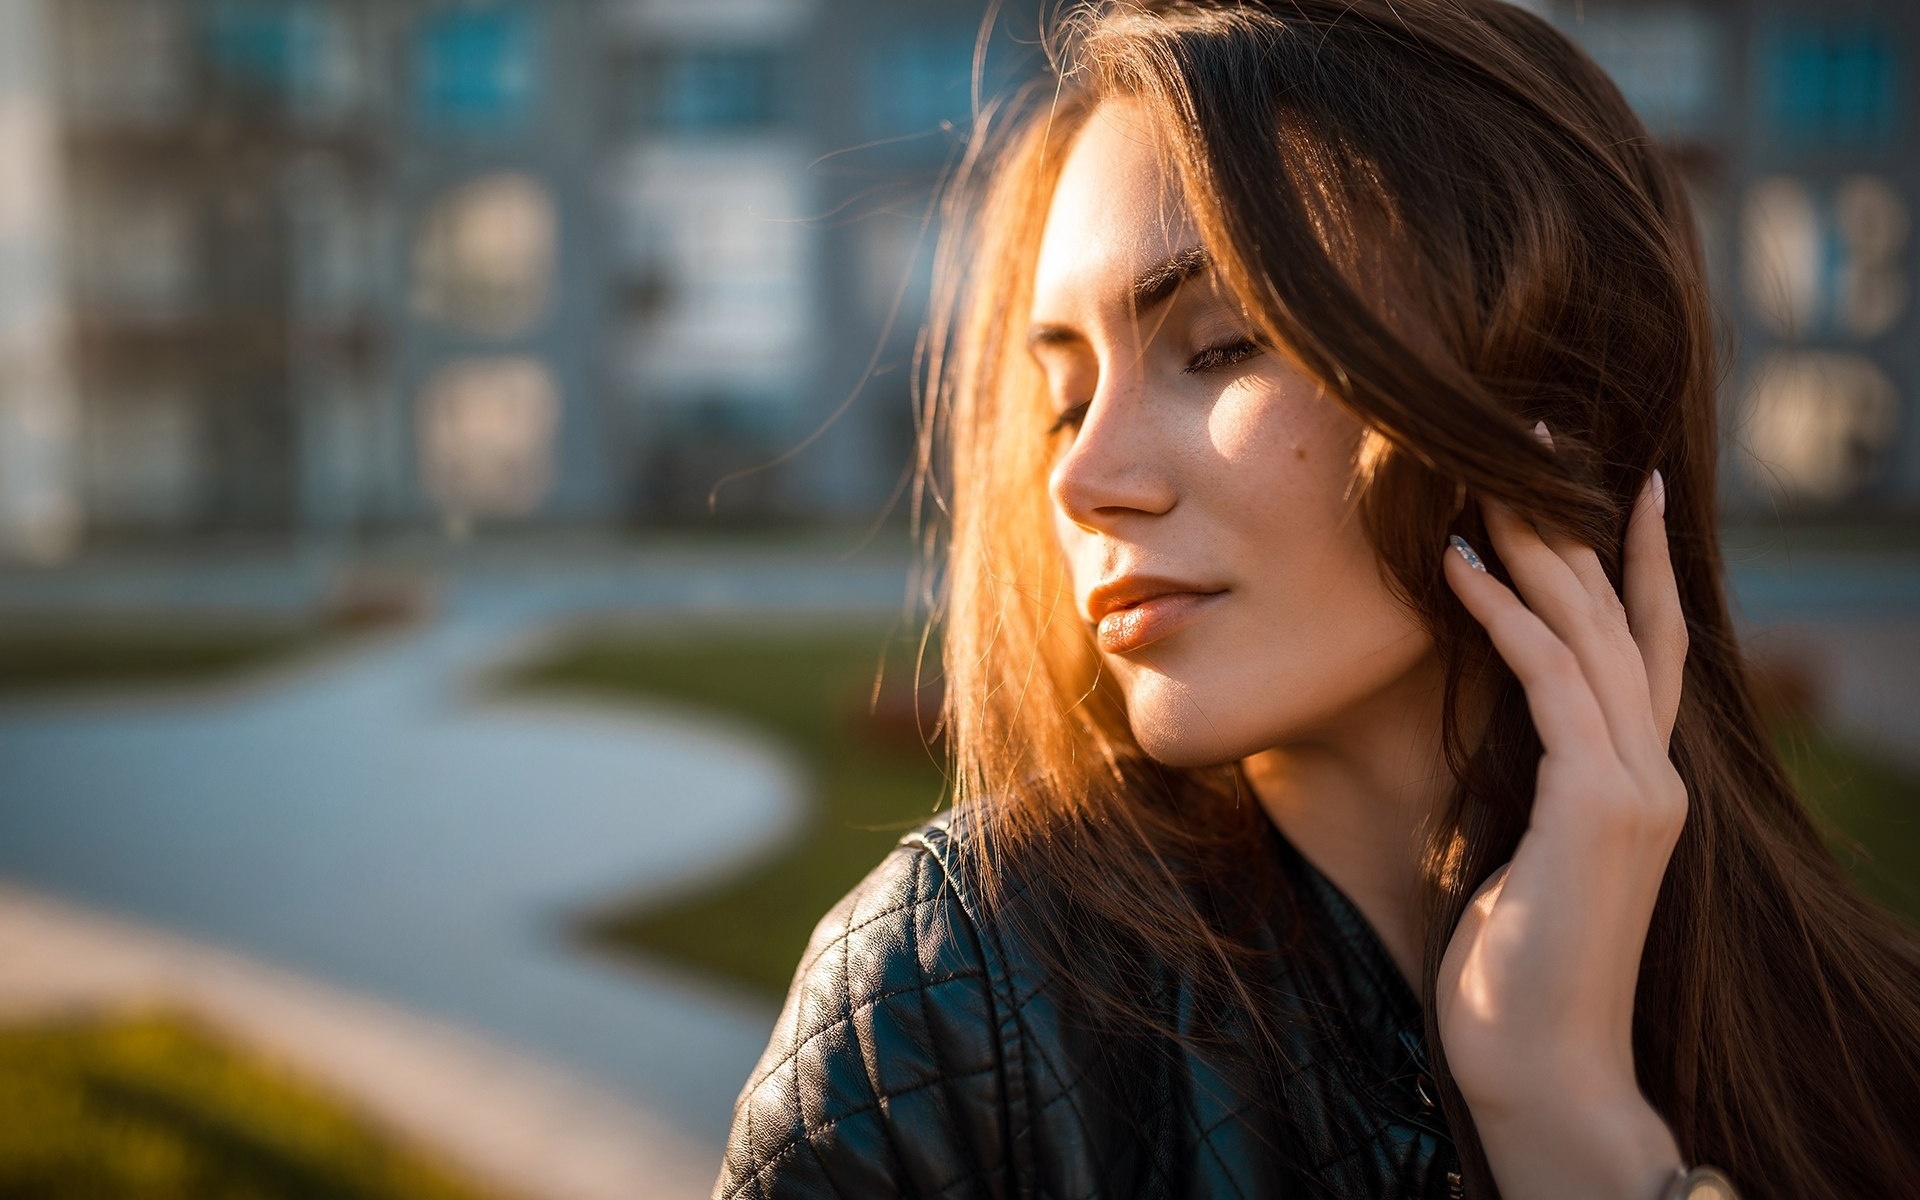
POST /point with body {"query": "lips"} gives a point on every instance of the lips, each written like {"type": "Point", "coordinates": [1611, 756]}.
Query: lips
{"type": "Point", "coordinates": [1135, 611]}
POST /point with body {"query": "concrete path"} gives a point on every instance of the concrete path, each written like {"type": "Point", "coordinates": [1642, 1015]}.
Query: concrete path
{"type": "Point", "coordinates": [499, 1117]}
{"type": "Point", "coordinates": [372, 823]}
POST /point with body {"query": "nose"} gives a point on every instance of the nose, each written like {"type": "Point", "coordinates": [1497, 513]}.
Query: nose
{"type": "Point", "coordinates": [1119, 464]}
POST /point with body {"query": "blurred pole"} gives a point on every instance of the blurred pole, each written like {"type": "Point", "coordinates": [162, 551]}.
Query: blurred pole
{"type": "Point", "coordinates": [40, 508]}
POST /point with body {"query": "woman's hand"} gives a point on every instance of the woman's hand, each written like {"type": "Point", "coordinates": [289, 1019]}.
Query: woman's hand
{"type": "Point", "coordinates": [1536, 990]}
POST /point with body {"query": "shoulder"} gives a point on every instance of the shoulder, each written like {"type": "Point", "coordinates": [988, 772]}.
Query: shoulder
{"type": "Point", "coordinates": [883, 1074]}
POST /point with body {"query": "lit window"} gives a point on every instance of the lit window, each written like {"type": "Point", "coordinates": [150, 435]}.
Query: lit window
{"type": "Point", "coordinates": [484, 260]}
{"type": "Point", "coordinates": [1819, 424]}
{"type": "Point", "coordinates": [1782, 252]}
{"type": "Point", "coordinates": [486, 434]}
{"type": "Point", "coordinates": [1826, 261]}
{"type": "Point", "coordinates": [1871, 220]}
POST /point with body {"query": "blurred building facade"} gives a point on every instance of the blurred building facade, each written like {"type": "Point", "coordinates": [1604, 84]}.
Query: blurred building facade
{"type": "Point", "coordinates": [1798, 125]}
{"type": "Point", "coordinates": [314, 262]}
{"type": "Point", "coordinates": [39, 413]}
{"type": "Point", "coordinates": [324, 267]}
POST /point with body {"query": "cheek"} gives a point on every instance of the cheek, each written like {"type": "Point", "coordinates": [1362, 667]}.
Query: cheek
{"type": "Point", "coordinates": [1281, 469]}
{"type": "Point", "coordinates": [1317, 629]}
{"type": "Point", "coordinates": [1295, 671]}
{"type": "Point", "coordinates": [1250, 420]}
{"type": "Point", "coordinates": [1277, 430]}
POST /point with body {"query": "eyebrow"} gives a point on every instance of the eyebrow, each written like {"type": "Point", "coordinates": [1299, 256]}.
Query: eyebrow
{"type": "Point", "coordinates": [1157, 283]}
{"type": "Point", "coordinates": [1149, 289]}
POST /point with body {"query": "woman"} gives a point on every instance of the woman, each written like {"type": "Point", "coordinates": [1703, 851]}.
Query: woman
{"type": "Point", "coordinates": [1298, 849]}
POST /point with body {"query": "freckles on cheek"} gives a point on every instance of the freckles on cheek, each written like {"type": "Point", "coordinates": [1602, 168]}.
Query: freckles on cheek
{"type": "Point", "coordinates": [1253, 422]}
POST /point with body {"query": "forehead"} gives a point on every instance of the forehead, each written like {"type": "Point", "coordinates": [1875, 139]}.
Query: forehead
{"type": "Point", "coordinates": [1116, 209]}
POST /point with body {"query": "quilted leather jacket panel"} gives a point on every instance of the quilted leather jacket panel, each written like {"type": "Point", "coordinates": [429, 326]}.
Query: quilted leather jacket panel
{"type": "Point", "coordinates": [883, 1075]}
{"type": "Point", "coordinates": [925, 1052]}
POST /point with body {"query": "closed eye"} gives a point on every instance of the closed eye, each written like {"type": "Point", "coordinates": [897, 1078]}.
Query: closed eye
{"type": "Point", "coordinates": [1213, 358]}
{"type": "Point", "coordinates": [1070, 419]}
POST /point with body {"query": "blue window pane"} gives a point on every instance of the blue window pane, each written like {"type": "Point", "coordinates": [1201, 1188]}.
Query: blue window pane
{"type": "Point", "coordinates": [1833, 84]}
{"type": "Point", "coordinates": [915, 81]}
{"type": "Point", "coordinates": [474, 68]}
{"type": "Point", "coordinates": [264, 46]}
{"type": "Point", "coordinates": [713, 90]}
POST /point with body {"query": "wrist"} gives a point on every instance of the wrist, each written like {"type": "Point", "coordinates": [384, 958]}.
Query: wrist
{"type": "Point", "coordinates": [1620, 1150]}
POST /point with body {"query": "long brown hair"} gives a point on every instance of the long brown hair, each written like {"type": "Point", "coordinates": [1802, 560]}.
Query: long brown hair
{"type": "Point", "coordinates": [1530, 219]}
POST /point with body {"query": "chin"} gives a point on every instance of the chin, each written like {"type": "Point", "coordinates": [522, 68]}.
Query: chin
{"type": "Point", "coordinates": [1176, 725]}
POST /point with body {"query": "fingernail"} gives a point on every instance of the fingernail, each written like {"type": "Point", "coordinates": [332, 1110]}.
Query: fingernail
{"type": "Point", "coordinates": [1465, 551]}
{"type": "Point", "coordinates": [1659, 493]}
{"type": "Point", "coordinates": [1540, 431]}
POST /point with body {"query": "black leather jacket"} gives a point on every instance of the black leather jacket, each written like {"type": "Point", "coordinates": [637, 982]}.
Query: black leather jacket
{"type": "Point", "coordinates": [924, 1052]}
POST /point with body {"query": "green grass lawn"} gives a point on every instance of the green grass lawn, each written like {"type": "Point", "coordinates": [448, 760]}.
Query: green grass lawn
{"type": "Point", "coordinates": [40, 656]}
{"type": "Point", "coordinates": [155, 1107]}
{"type": "Point", "coordinates": [1873, 810]}
{"type": "Point", "coordinates": [873, 779]}
{"type": "Point", "coordinates": [811, 690]}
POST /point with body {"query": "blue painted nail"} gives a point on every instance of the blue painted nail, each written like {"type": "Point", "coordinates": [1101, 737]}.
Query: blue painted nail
{"type": "Point", "coordinates": [1465, 551]}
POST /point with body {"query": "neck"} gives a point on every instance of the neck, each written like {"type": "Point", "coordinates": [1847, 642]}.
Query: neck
{"type": "Point", "coordinates": [1355, 797]}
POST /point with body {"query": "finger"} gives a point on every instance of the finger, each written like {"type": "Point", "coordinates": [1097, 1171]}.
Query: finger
{"type": "Point", "coordinates": [1526, 550]}
{"type": "Point", "coordinates": [1578, 556]}
{"type": "Point", "coordinates": [1654, 614]}
{"type": "Point", "coordinates": [1565, 711]}
{"type": "Point", "coordinates": [1594, 626]}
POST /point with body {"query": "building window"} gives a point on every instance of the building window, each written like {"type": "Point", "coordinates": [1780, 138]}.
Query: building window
{"type": "Point", "coordinates": [712, 90]}
{"type": "Point", "coordinates": [145, 458]}
{"type": "Point", "coordinates": [126, 61]}
{"type": "Point", "coordinates": [486, 438]}
{"type": "Point", "coordinates": [1832, 83]}
{"type": "Point", "coordinates": [1666, 61]}
{"type": "Point", "coordinates": [915, 81]}
{"type": "Point", "coordinates": [1822, 261]}
{"type": "Point", "coordinates": [474, 68]}
{"type": "Point", "coordinates": [292, 54]}
{"type": "Point", "coordinates": [484, 260]}
{"type": "Point", "coordinates": [1819, 424]}
{"type": "Point", "coordinates": [136, 254]}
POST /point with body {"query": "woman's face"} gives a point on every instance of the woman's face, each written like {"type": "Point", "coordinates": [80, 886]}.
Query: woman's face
{"type": "Point", "coordinates": [1201, 482]}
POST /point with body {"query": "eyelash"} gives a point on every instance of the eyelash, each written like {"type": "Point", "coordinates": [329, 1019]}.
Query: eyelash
{"type": "Point", "coordinates": [1070, 419]}
{"type": "Point", "coordinates": [1213, 358]}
